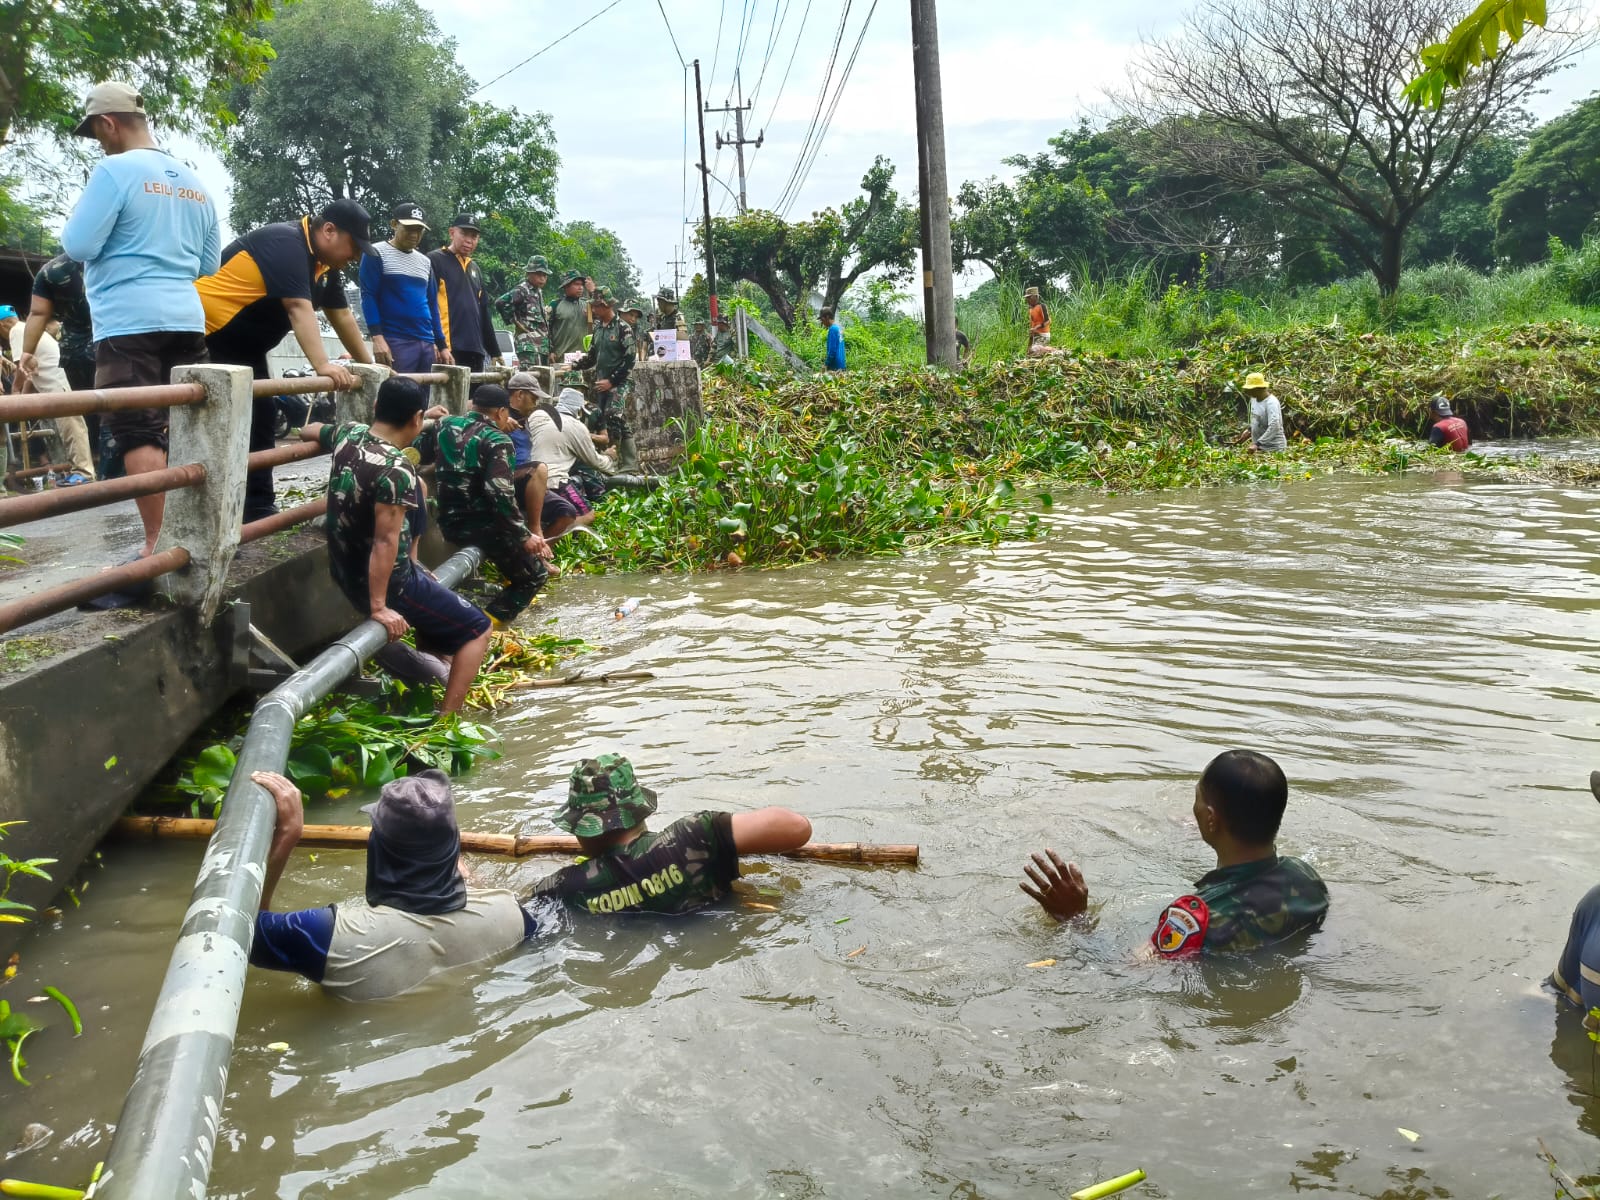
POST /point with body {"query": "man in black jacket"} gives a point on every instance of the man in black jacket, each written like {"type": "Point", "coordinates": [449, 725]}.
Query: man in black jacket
{"type": "Point", "coordinates": [463, 304]}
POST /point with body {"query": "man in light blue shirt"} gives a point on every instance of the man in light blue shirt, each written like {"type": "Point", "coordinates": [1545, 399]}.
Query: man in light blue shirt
{"type": "Point", "coordinates": [144, 229]}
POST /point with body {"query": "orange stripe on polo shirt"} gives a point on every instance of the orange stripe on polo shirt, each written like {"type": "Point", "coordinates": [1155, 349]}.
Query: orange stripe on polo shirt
{"type": "Point", "coordinates": [444, 312]}
{"type": "Point", "coordinates": [236, 286]}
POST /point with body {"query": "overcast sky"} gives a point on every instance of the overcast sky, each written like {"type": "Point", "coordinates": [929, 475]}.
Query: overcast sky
{"type": "Point", "coordinates": [1012, 78]}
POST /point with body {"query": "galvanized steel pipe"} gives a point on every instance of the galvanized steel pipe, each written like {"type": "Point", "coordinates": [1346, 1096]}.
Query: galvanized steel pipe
{"type": "Point", "coordinates": [171, 1119]}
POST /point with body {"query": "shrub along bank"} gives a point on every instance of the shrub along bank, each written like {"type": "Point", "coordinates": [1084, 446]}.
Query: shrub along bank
{"type": "Point", "coordinates": [789, 468]}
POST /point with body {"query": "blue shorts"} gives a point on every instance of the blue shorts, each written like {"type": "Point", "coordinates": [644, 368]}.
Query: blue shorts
{"type": "Point", "coordinates": [443, 620]}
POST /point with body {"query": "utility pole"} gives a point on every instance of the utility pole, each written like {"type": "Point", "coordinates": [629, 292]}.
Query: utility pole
{"type": "Point", "coordinates": [705, 192]}
{"type": "Point", "coordinates": [676, 264]}
{"type": "Point", "coordinates": [739, 141]}
{"type": "Point", "coordinates": [938, 275]}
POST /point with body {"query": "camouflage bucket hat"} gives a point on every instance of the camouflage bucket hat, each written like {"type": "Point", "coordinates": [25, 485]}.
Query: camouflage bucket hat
{"type": "Point", "coordinates": [536, 263]}
{"type": "Point", "coordinates": [603, 796]}
{"type": "Point", "coordinates": [667, 296]}
{"type": "Point", "coordinates": [572, 277]}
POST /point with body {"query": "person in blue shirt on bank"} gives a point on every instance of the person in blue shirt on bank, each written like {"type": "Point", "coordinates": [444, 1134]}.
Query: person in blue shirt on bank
{"type": "Point", "coordinates": [144, 229]}
{"type": "Point", "coordinates": [399, 298]}
{"type": "Point", "coordinates": [835, 357]}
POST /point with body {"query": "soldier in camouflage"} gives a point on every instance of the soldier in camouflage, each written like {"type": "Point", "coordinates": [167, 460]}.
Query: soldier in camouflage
{"type": "Point", "coordinates": [569, 319]}
{"type": "Point", "coordinates": [372, 494]}
{"type": "Point", "coordinates": [724, 344]}
{"type": "Point", "coordinates": [668, 315]}
{"type": "Point", "coordinates": [530, 318]}
{"type": "Point", "coordinates": [611, 356]}
{"type": "Point", "coordinates": [1253, 898]}
{"type": "Point", "coordinates": [688, 865]}
{"type": "Point", "coordinates": [700, 344]}
{"type": "Point", "coordinates": [476, 485]}
{"type": "Point", "coordinates": [631, 313]}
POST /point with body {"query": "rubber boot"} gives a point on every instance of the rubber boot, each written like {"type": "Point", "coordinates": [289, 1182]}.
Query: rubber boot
{"type": "Point", "coordinates": [627, 455]}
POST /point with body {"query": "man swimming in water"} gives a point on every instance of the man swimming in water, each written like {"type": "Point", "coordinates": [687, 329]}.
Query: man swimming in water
{"type": "Point", "coordinates": [1253, 898]}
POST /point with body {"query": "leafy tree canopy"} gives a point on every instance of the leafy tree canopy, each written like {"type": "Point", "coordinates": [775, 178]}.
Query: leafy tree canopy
{"type": "Point", "coordinates": [1553, 191]}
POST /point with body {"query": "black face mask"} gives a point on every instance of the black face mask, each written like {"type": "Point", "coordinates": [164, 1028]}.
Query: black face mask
{"type": "Point", "coordinates": [416, 877]}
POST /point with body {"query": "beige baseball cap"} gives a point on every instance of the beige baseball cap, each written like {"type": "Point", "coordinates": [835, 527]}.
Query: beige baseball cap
{"type": "Point", "coordinates": [109, 97]}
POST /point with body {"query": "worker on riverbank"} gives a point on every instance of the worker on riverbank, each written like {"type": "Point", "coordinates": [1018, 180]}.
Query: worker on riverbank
{"type": "Point", "coordinates": [531, 476]}
{"type": "Point", "coordinates": [58, 295]}
{"type": "Point", "coordinates": [688, 865]}
{"type": "Point", "coordinates": [273, 281]}
{"type": "Point", "coordinates": [1577, 974]}
{"type": "Point", "coordinates": [463, 305]}
{"type": "Point", "coordinates": [560, 440]}
{"type": "Point", "coordinates": [45, 374]}
{"type": "Point", "coordinates": [420, 914]}
{"type": "Point", "coordinates": [144, 229]}
{"type": "Point", "coordinates": [475, 480]}
{"type": "Point", "coordinates": [400, 298]}
{"type": "Point", "coordinates": [1445, 428]}
{"type": "Point", "coordinates": [611, 355]}
{"type": "Point", "coordinates": [530, 317]}
{"type": "Point", "coordinates": [833, 354]}
{"type": "Point", "coordinates": [1255, 897]}
{"type": "Point", "coordinates": [372, 487]}
{"type": "Point", "coordinates": [1038, 319]}
{"type": "Point", "coordinates": [569, 319]}
{"type": "Point", "coordinates": [1266, 416]}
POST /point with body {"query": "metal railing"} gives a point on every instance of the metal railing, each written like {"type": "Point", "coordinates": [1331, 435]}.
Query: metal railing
{"type": "Point", "coordinates": [209, 413]}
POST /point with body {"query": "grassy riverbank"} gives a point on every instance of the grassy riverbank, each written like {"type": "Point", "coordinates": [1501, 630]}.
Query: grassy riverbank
{"type": "Point", "coordinates": [791, 468]}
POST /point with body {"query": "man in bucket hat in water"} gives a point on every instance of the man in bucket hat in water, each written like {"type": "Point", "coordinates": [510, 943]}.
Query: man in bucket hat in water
{"type": "Point", "coordinates": [420, 914]}
{"type": "Point", "coordinates": [686, 866]}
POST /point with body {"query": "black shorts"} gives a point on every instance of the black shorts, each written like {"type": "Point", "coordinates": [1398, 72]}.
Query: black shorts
{"type": "Point", "coordinates": [140, 360]}
{"type": "Point", "coordinates": [443, 620]}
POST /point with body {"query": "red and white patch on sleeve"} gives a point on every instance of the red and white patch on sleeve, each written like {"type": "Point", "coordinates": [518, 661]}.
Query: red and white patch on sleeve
{"type": "Point", "coordinates": [1181, 931]}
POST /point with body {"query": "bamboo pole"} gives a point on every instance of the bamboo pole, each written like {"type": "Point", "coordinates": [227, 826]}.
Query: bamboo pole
{"type": "Point", "coordinates": [514, 845]}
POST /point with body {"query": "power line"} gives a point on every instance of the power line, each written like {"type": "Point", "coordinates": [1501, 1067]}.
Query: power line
{"type": "Point", "coordinates": [827, 121]}
{"type": "Point", "coordinates": [744, 36]}
{"type": "Point", "coordinates": [816, 115]}
{"type": "Point", "coordinates": [773, 33]}
{"type": "Point", "coordinates": [784, 82]}
{"type": "Point", "coordinates": [672, 35]}
{"type": "Point", "coordinates": [551, 46]}
{"type": "Point", "coordinates": [716, 52]}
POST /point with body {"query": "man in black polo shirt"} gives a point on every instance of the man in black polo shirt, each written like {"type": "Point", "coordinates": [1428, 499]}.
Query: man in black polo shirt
{"type": "Point", "coordinates": [272, 281]}
{"type": "Point", "coordinates": [463, 305]}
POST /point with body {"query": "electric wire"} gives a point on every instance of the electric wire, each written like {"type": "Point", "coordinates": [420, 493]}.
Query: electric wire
{"type": "Point", "coordinates": [551, 46]}
{"type": "Point", "coordinates": [827, 121]}
{"type": "Point", "coordinates": [782, 84]}
{"type": "Point", "coordinates": [670, 34]}
{"type": "Point", "coordinates": [716, 52]}
{"type": "Point", "coordinates": [774, 32]}
{"type": "Point", "coordinates": [816, 115]}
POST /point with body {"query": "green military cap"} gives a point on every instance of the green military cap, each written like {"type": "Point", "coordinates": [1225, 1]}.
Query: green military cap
{"type": "Point", "coordinates": [536, 263]}
{"type": "Point", "coordinates": [572, 277]}
{"type": "Point", "coordinates": [601, 295]}
{"type": "Point", "coordinates": [667, 296]}
{"type": "Point", "coordinates": [632, 306]}
{"type": "Point", "coordinates": [602, 796]}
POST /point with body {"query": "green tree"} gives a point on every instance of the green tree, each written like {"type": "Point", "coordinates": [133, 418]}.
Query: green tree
{"type": "Point", "coordinates": [597, 252]}
{"type": "Point", "coordinates": [364, 100]}
{"type": "Point", "coordinates": [503, 167]}
{"type": "Point", "coordinates": [1459, 222]}
{"type": "Point", "coordinates": [791, 260]}
{"type": "Point", "coordinates": [22, 223]}
{"type": "Point", "coordinates": [1308, 97]}
{"type": "Point", "coordinates": [1554, 188]}
{"type": "Point", "coordinates": [184, 56]}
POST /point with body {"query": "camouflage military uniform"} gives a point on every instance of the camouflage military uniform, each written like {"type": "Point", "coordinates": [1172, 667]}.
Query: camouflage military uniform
{"type": "Point", "coordinates": [60, 281]}
{"type": "Point", "coordinates": [700, 347]}
{"type": "Point", "coordinates": [478, 506]}
{"type": "Point", "coordinates": [612, 356]}
{"type": "Point", "coordinates": [530, 322]}
{"type": "Point", "coordinates": [689, 864]}
{"type": "Point", "coordinates": [366, 471]}
{"type": "Point", "coordinates": [1243, 907]}
{"type": "Point", "coordinates": [724, 345]}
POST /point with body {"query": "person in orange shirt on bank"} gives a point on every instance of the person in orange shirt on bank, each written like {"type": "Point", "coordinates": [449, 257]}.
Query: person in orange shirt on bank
{"type": "Point", "coordinates": [1038, 319]}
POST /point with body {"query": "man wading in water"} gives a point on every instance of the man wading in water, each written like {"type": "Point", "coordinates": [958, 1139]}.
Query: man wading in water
{"type": "Point", "coordinates": [420, 915]}
{"type": "Point", "coordinates": [1254, 897]}
{"type": "Point", "coordinates": [686, 866]}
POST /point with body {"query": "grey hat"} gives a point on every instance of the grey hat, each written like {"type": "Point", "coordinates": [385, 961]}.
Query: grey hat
{"type": "Point", "coordinates": [527, 381]}
{"type": "Point", "coordinates": [1440, 407]}
{"type": "Point", "coordinates": [414, 810]}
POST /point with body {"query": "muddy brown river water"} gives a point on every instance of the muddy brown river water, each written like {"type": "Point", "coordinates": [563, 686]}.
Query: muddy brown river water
{"type": "Point", "coordinates": [1420, 654]}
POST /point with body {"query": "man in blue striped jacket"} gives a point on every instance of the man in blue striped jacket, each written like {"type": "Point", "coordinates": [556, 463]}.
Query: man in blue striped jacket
{"type": "Point", "coordinates": [398, 298]}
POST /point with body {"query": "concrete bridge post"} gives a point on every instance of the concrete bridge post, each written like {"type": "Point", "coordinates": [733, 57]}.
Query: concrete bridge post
{"type": "Point", "coordinates": [454, 392]}
{"type": "Point", "coordinates": [205, 520]}
{"type": "Point", "coordinates": [357, 405]}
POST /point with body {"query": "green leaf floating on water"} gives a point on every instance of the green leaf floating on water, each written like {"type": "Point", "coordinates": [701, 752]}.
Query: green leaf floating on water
{"type": "Point", "coordinates": [60, 998]}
